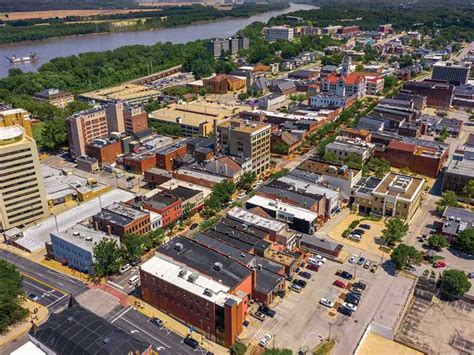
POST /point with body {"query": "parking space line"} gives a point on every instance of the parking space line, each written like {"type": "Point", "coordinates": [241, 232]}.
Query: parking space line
{"type": "Point", "coordinates": [145, 332]}
{"type": "Point", "coordinates": [121, 314]}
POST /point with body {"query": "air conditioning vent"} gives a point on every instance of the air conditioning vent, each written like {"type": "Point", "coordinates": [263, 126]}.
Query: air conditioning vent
{"type": "Point", "coordinates": [218, 266]}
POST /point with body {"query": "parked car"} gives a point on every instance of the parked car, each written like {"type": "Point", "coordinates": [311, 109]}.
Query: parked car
{"type": "Point", "coordinates": [303, 264]}
{"type": "Point", "coordinates": [258, 315]}
{"type": "Point", "coordinates": [158, 322]}
{"type": "Point", "coordinates": [470, 275]}
{"type": "Point", "coordinates": [367, 264]}
{"type": "Point", "coordinates": [353, 258]}
{"type": "Point", "coordinates": [312, 267]}
{"type": "Point", "coordinates": [339, 283]}
{"type": "Point", "coordinates": [351, 306]}
{"type": "Point", "coordinates": [357, 237]}
{"type": "Point", "coordinates": [242, 195]}
{"type": "Point", "coordinates": [355, 295]}
{"type": "Point", "coordinates": [299, 282]}
{"type": "Point", "coordinates": [373, 268]}
{"type": "Point", "coordinates": [365, 226]}
{"type": "Point", "coordinates": [265, 340]}
{"type": "Point", "coordinates": [350, 298]}
{"type": "Point", "coordinates": [267, 311]}
{"type": "Point", "coordinates": [345, 275]}
{"type": "Point", "coordinates": [361, 261]}
{"type": "Point", "coordinates": [358, 231]}
{"type": "Point", "coordinates": [410, 268]}
{"type": "Point", "coordinates": [191, 342]}
{"type": "Point", "coordinates": [325, 302]}
{"type": "Point", "coordinates": [357, 290]}
{"type": "Point", "coordinates": [345, 311]}
{"type": "Point", "coordinates": [297, 270]}
{"type": "Point", "coordinates": [314, 261]}
{"type": "Point", "coordinates": [305, 274]}
{"type": "Point", "coordinates": [134, 280]}
{"type": "Point", "coordinates": [124, 268]}
{"type": "Point", "coordinates": [33, 297]}
{"type": "Point", "coordinates": [321, 258]}
{"type": "Point", "coordinates": [295, 287]}
{"type": "Point", "coordinates": [439, 264]}
{"type": "Point", "coordinates": [193, 226]}
{"type": "Point", "coordinates": [360, 285]}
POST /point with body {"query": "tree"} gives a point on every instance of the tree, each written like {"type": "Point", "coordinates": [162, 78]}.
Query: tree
{"type": "Point", "coordinates": [390, 82]}
{"type": "Point", "coordinates": [155, 238]}
{"type": "Point", "coordinates": [354, 161]}
{"type": "Point", "coordinates": [437, 242]}
{"type": "Point", "coordinates": [468, 190]}
{"type": "Point", "coordinates": [108, 257]}
{"type": "Point", "coordinates": [404, 255]}
{"type": "Point", "coordinates": [11, 296]}
{"type": "Point", "coordinates": [238, 348]}
{"type": "Point", "coordinates": [465, 241]}
{"type": "Point", "coordinates": [455, 282]}
{"type": "Point", "coordinates": [449, 199]}
{"type": "Point", "coordinates": [443, 134]}
{"type": "Point", "coordinates": [54, 134]}
{"type": "Point", "coordinates": [395, 231]}
{"type": "Point", "coordinates": [247, 180]}
{"type": "Point", "coordinates": [279, 174]}
{"type": "Point", "coordinates": [331, 157]}
{"type": "Point", "coordinates": [133, 244]}
{"type": "Point", "coordinates": [380, 167]}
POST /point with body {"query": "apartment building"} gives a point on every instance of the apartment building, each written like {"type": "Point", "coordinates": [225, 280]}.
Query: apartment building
{"type": "Point", "coordinates": [246, 139]}
{"type": "Point", "coordinates": [135, 119]}
{"type": "Point", "coordinates": [22, 191]}
{"type": "Point", "coordinates": [120, 219]}
{"type": "Point", "coordinates": [231, 45]}
{"type": "Point", "coordinates": [277, 33]}
{"type": "Point", "coordinates": [84, 127]}
{"type": "Point", "coordinates": [16, 116]}
{"type": "Point", "coordinates": [55, 97]}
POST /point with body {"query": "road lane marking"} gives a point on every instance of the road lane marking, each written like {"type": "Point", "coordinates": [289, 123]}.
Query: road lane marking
{"type": "Point", "coordinates": [57, 301]}
{"type": "Point", "coordinates": [43, 283]}
{"type": "Point", "coordinates": [120, 314]}
{"type": "Point", "coordinates": [48, 292]}
{"type": "Point", "coordinates": [114, 284]}
{"type": "Point", "coordinates": [145, 332]}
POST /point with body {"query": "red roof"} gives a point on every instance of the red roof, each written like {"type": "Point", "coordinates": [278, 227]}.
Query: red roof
{"type": "Point", "coordinates": [350, 79]}
{"type": "Point", "coordinates": [405, 147]}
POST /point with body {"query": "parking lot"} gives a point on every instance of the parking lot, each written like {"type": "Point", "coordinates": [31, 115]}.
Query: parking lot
{"type": "Point", "coordinates": [302, 323]}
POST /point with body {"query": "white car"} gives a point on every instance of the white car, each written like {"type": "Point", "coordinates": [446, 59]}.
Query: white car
{"type": "Point", "coordinates": [325, 302]}
{"type": "Point", "coordinates": [353, 259]}
{"type": "Point", "coordinates": [296, 288]}
{"type": "Point", "coordinates": [349, 306]}
{"type": "Point", "coordinates": [355, 236]}
{"type": "Point", "coordinates": [265, 340]}
{"type": "Point", "coordinates": [321, 258]}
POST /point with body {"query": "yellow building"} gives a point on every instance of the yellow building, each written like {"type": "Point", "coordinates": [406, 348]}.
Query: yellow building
{"type": "Point", "coordinates": [16, 116]}
{"type": "Point", "coordinates": [22, 191]}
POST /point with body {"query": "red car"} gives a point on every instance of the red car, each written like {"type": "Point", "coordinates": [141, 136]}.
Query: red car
{"type": "Point", "coordinates": [440, 263]}
{"type": "Point", "coordinates": [312, 267]}
{"type": "Point", "coordinates": [339, 283]}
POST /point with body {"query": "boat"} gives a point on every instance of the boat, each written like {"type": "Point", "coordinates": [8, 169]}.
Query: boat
{"type": "Point", "coordinates": [14, 59]}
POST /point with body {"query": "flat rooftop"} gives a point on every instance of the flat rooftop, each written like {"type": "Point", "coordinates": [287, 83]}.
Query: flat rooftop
{"type": "Point", "coordinates": [199, 174]}
{"type": "Point", "coordinates": [121, 214]}
{"type": "Point", "coordinates": [245, 216]}
{"type": "Point", "coordinates": [402, 186]}
{"type": "Point", "coordinates": [189, 279]}
{"type": "Point", "coordinates": [312, 188]}
{"type": "Point", "coordinates": [203, 260]}
{"type": "Point", "coordinates": [83, 237]}
{"type": "Point", "coordinates": [124, 92]}
{"type": "Point", "coordinates": [323, 168]}
{"type": "Point", "coordinates": [285, 208]}
{"type": "Point", "coordinates": [244, 126]}
{"type": "Point", "coordinates": [173, 183]}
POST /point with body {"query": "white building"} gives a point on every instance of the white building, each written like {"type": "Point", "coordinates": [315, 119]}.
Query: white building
{"type": "Point", "coordinates": [277, 33]}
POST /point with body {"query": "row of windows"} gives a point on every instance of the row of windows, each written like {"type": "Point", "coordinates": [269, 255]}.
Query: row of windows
{"type": "Point", "coordinates": [23, 218]}
{"type": "Point", "coordinates": [28, 193]}
{"type": "Point", "coordinates": [16, 178]}
{"type": "Point", "coordinates": [16, 152]}
{"type": "Point", "coordinates": [16, 158]}
{"type": "Point", "coordinates": [30, 202]}
{"type": "Point", "coordinates": [33, 208]}
{"type": "Point", "coordinates": [29, 167]}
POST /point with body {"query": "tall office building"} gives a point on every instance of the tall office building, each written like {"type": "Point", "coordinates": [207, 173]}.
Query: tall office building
{"type": "Point", "coordinates": [84, 127]}
{"type": "Point", "coordinates": [455, 74]}
{"type": "Point", "coordinates": [247, 140]}
{"type": "Point", "coordinates": [16, 116]}
{"type": "Point", "coordinates": [22, 192]}
{"type": "Point", "coordinates": [227, 45]}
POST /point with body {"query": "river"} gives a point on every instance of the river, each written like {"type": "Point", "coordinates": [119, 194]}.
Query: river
{"type": "Point", "coordinates": [66, 46]}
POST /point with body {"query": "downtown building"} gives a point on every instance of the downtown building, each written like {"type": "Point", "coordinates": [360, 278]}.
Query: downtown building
{"type": "Point", "coordinates": [22, 189]}
{"type": "Point", "coordinates": [230, 45]}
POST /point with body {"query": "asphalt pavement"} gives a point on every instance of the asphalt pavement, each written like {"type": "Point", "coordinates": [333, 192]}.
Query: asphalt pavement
{"type": "Point", "coordinates": [162, 339]}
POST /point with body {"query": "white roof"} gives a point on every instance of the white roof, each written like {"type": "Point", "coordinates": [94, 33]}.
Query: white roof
{"type": "Point", "coordinates": [281, 207]}
{"type": "Point", "coordinates": [169, 271]}
{"type": "Point", "coordinates": [28, 348]}
{"type": "Point", "coordinates": [173, 183]}
{"type": "Point", "coordinates": [10, 132]}
{"type": "Point", "coordinates": [309, 187]}
{"type": "Point", "coordinates": [256, 220]}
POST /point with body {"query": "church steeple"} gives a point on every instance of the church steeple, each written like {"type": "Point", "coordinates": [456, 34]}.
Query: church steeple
{"type": "Point", "coordinates": [346, 65]}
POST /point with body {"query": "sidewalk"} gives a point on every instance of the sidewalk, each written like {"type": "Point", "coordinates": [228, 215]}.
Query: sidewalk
{"type": "Point", "coordinates": [23, 327]}
{"type": "Point", "coordinates": [175, 326]}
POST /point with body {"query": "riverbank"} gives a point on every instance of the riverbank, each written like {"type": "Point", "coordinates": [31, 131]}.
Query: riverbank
{"type": "Point", "coordinates": [17, 31]}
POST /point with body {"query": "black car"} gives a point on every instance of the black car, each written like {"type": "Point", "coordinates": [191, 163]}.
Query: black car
{"type": "Point", "coordinates": [297, 270]}
{"type": "Point", "coordinates": [157, 321]}
{"type": "Point", "coordinates": [345, 311]}
{"type": "Point", "coordinates": [299, 282]}
{"type": "Point", "coordinates": [346, 275]}
{"type": "Point", "coordinates": [365, 226]}
{"type": "Point", "coordinates": [352, 299]}
{"type": "Point", "coordinates": [354, 295]}
{"type": "Point", "coordinates": [359, 231]}
{"type": "Point", "coordinates": [356, 290]}
{"type": "Point", "coordinates": [135, 262]}
{"type": "Point", "coordinates": [193, 226]}
{"type": "Point", "coordinates": [305, 274]}
{"type": "Point", "coordinates": [360, 285]}
{"type": "Point", "coordinates": [267, 311]}
{"type": "Point", "coordinates": [191, 342]}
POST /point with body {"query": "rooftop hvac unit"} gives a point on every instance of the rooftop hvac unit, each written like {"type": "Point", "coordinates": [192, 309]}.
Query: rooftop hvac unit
{"type": "Point", "coordinates": [182, 273]}
{"type": "Point", "coordinates": [89, 239]}
{"type": "Point", "coordinates": [208, 292]}
{"type": "Point", "coordinates": [193, 277]}
{"type": "Point", "coordinates": [218, 266]}
{"type": "Point", "coordinates": [178, 246]}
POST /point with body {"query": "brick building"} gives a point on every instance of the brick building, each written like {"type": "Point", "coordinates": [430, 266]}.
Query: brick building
{"type": "Point", "coordinates": [104, 150]}
{"type": "Point", "coordinates": [165, 204]}
{"type": "Point", "coordinates": [139, 163]}
{"type": "Point", "coordinates": [120, 219]}
{"type": "Point", "coordinates": [135, 118]}
{"type": "Point", "coordinates": [165, 156]}
{"type": "Point", "coordinates": [200, 287]}
{"type": "Point", "coordinates": [438, 94]}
